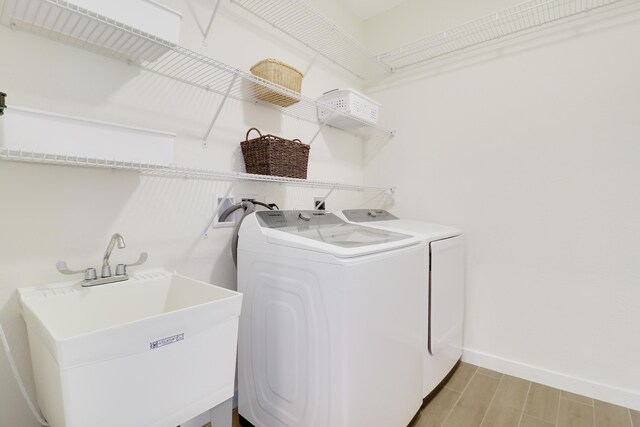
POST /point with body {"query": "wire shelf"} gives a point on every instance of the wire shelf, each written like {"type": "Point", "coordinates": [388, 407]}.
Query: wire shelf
{"type": "Point", "coordinates": [206, 73]}
{"type": "Point", "coordinates": [63, 21]}
{"type": "Point", "coordinates": [298, 20]}
{"type": "Point", "coordinates": [513, 20]}
{"type": "Point", "coordinates": [172, 171]}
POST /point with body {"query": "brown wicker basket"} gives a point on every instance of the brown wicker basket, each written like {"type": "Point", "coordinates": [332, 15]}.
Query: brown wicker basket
{"type": "Point", "coordinates": [281, 74]}
{"type": "Point", "coordinates": [272, 155]}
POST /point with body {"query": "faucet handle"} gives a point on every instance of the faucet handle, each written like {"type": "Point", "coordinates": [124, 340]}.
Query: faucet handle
{"type": "Point", "coordinates": [106, 271]}
{"type": "Point", "coordinates": [121, 270]}
{"type": "Point", "coordinates": [90, 274]}
{"type": "Point", "coordinates": [61, 266]}
{"type": "Point", "coordinates": [143, 258]}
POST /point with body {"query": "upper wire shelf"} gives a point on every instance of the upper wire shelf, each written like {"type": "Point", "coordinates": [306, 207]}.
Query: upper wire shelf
{"type": "Point", "coordinates": [310, 27]}
{"type": "Point", "coordinates": [63, 21]}
{"type": "Point", "coordinates": [506, 22]}
{"type": "Point", "coordinates": [173, 171]}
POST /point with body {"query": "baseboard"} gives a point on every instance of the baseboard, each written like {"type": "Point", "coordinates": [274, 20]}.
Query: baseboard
{"type": "Point", "coordinates": [604, 392]}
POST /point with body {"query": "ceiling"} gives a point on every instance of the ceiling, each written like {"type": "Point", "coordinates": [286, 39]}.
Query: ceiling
{"type": "Point", "coordinates": [366, 9]}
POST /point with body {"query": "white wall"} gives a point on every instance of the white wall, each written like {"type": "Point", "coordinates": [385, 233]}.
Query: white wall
{"type": "Point", "coordinates": [532, 147]}
{"type": "Point", "coordinates": [51, 213]}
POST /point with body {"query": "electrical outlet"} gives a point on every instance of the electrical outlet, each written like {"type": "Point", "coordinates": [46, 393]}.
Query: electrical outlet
{"type": "Point", "coordinates": [225, 203]}
{"type": "Point", "coordinates": [319, 206]}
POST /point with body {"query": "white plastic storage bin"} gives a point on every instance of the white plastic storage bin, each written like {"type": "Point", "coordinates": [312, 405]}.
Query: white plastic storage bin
{"type": "Point", "coordinates": [84, 20]}
{"type": "Point", "coordinates": [351, 102]}
{"type": "Point", "coordinates": [42, 132]}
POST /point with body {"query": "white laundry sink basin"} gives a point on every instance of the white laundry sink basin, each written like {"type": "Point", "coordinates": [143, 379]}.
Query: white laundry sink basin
{"type": "Point", "coordinates": [155, 350]}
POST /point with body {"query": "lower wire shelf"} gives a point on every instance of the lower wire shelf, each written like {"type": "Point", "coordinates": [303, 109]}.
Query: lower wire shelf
{"type": "Point", "coordinates": [173, 171]}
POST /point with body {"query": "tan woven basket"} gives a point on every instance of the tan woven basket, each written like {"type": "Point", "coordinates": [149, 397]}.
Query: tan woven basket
{"type": "Point", "coordinates": [281, 74]}
{"type": "Point", "coordinates": [272, 155]}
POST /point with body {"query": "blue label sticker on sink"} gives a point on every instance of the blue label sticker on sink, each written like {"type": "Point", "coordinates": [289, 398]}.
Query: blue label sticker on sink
{"type": "Point", "coordinates": [166, 341]}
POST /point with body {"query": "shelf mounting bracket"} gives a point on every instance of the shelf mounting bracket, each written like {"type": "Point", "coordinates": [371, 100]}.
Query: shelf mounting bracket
{"type": "Point", "coordinates": [219, 110]}
{"type": "Point", "coordinates": [322, 124]}
{"type": "Point", "coordinates": [321, 201]}
{"type": "Point", "coordinates": [313, 61]}
{"type": "Point", "coordinates": [213, 15]}
{"type": "Point", "coordinates": [205, 233]}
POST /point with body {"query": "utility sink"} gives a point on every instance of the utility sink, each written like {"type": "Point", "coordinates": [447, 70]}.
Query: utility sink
{"type": "Point", "coordinates": [155, 350]}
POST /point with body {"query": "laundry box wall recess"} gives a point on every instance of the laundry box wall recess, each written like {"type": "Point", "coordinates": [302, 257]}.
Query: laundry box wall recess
{"type": "Point", "coordinates": [276, 156]}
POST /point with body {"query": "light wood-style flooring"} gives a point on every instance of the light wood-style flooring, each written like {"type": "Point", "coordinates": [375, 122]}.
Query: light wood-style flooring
{"type": "Point", "coordinates": [478, 397]}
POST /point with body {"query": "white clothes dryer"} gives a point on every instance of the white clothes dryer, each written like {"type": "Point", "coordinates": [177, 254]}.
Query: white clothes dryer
{"type": "Point", "coordinates": [444, 288]}
{"type": "Point", "coordinates": [330, 329]}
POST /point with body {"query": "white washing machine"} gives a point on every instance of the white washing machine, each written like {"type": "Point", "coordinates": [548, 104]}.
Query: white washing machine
{"type": "Point", "coordinates": [445, 288]}
{"type": "Point", "coordinates": [330, 329]}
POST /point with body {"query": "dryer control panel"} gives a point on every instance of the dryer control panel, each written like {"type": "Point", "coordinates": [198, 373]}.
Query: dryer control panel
{"type": "Point", "coordinates": [368, 215]}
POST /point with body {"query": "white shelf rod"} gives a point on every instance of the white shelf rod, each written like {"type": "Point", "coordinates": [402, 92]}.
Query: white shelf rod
{"type": "Point", "coordinates": [219, 110]}
{"type": "Point", "coordinates": [174, 171]}
{"type": "Point", "coordinates": [213, 15]}
{"type": "Point", "coordinates": [322, 124]}
{"type": "Point", "coordinates": [326, 196]}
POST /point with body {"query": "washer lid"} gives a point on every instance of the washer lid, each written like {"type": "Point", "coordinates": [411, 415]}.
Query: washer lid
{"type": "Point", "coordinates": [325, 232]}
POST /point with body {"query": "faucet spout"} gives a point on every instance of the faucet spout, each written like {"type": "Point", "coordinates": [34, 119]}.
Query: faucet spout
{"type": "Point", "coordinates": [116, 238]}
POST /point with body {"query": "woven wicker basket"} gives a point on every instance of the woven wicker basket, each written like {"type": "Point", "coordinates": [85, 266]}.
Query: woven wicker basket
{"type": "Point", "coordinates": [272, 155]}
{"type": "Point", "coordinates": [281, 74]}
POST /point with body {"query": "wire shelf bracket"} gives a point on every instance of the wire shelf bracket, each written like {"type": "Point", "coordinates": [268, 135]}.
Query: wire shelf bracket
{"type": "Point", "coordinates": [219, 110]}
{"type": "Point", "coordinates": [210, 23]}
{"type": "Point", "coordinates": [322, 124]}
{"type": "Point", "coordinates": [323, 199]}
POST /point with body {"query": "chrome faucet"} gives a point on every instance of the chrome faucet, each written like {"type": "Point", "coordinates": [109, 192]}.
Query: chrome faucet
{"type": "Point", "coordinates": [90, 277]}
{"type": "Point", "coordinates": [106, 268]}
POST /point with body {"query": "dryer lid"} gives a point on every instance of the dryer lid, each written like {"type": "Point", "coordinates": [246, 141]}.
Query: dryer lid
{"type": "Point", "coordinates": [368, 215]}
{"type": "Point", "coordinates": [384, 220]}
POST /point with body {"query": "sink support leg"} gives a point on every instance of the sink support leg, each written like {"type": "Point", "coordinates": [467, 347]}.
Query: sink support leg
{"type": "Point", "coordinates": [221, 414]}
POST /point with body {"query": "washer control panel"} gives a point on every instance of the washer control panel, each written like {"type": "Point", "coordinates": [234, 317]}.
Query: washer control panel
{"type": "Point", "coordinates": [280, 219]}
